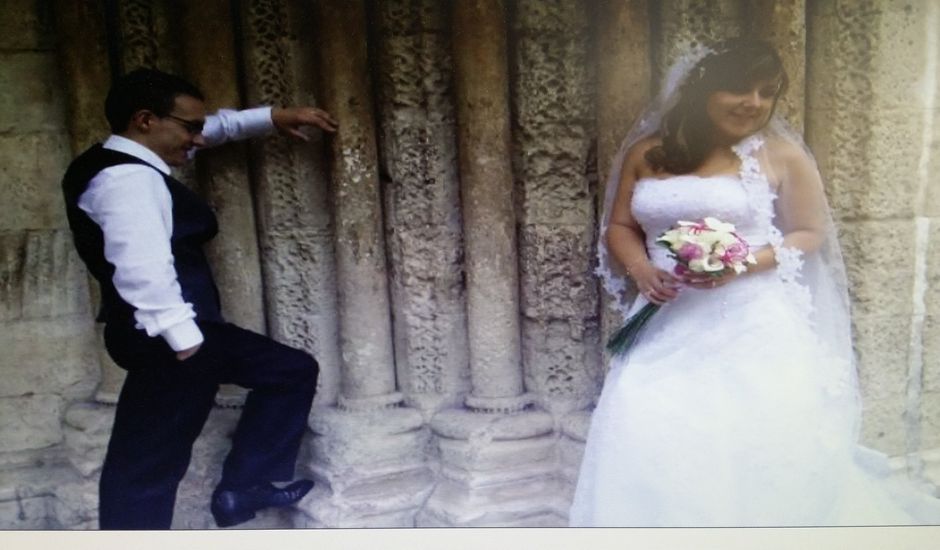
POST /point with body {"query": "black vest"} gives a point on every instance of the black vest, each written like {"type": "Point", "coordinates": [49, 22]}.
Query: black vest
{"type": "Point", "coordinates": [194, 223]}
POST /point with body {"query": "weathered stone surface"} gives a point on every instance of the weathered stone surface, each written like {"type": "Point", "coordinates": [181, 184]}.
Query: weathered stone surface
{"type": "Point", "coordinates": [416, 82]}
{"type": "Point", "coordinates": [292, 194]}
{"type": "Point", "coordinates": [146, 28]}
{"type": "Point", "coordinates": [783, 24]}
{"type": "Point", "coordinates": [83, 56]}
{"type": "Point", "coordinates": [422, 204]}
{"type": "Point", "coordinates": [879, 265]}
{"type": "Point", "coordinates": [554, 120]}
{"type": "Point", "coordinates": [862, 89]}
{"type": "Point", "coordinates": [555, 261]}
{"type": "Point", "coordinates": [369, 465]}
{"type": "Point", "coordinates": [223, 171]}
{"type": "Point", "coordinates": [529, 497]}
{"type": "Point", "coordinates": [30, 104]}
{"type": "Point", "coordinates": [458, 456]}
{"type": "Point", "coordinates": [25, 25]}
{"type": "Point", "coordinates": [688, 23]}
{"type": "Point", "coordinates": [623, 59]}
{"type": "Point", "coordinates": [574, 429]}
{"type": "Point", "coordinates": [27, 513]}
{"type": "Point", "coordinates": [482, 89]}
{"type": "Point", "coordinates": [66, 362]}
{"type": "Point", "coordinates": [881, 344]}
{"type": "Point", "coordinates": [932, 267]}
{"type": "Point", "coordinates": [87, 430]}
{"type": "Point", "coordinates": [75, 505]}
{"type": "Point", "coordinates": [563, 363]}
{"type": "Point", "coordinates": [484, 428]}
{"type": "Point", "coordinates": [930, 395]}
{"type": "Point", "coordinates": [31, 168]}
{"type": "Point", "coordinates": [403, 17]}
{"type": "Point", "coordinates": [41, 276]}
{"type": "Point", "coordinates": [364, 316]}
{"type": "Point", "coordinates": [31, 422]}
{"type": "Point", "coordinates": [883, 425]}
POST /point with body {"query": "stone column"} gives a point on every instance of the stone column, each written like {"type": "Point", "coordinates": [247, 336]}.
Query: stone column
{"type": "Point", "coordinates": [368, 452]}
{"type": "Point", "coordinates": [365, 328]}
{"type": "Point", "coordinates": [623, 90]}
{"type": "Point", "coordinates": [209, 61]}
{"type": "Point", "coordinates": [82, 48]}
{"type": "Point", "coordinates": [422, 203]}
{"type": "Point", "coordinates": [222, 172]}
{"type": "Point", "coordinates": [687, 23]}
{"type": "Point", "coordinates": [783, 24]}
{"type": "Point", "coordinates": [49, 365]}
{"type": "Point", "coordinates": [482, 93]}
{"type": "Point", "coordinates": [291, 192]}
{"type": "Point", "coordinates": [872, 123]}
{"type": "Point", "coordinates": [147, 35]}
{"type": "Point", "coordinates": [553, 140]}
{"type": "Point", "coordinates": [497, 455]}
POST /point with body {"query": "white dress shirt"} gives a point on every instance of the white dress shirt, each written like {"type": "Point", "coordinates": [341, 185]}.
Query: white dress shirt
{"type": "Point", "coordinates": [133, 207]}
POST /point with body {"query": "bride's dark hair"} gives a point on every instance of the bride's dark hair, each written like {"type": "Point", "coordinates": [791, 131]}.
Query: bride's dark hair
{"type": "Point", "coordinates": [686, 130]}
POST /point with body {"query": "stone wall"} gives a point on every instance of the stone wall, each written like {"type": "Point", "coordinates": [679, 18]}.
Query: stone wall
{"type": "Point", "coordinates": [437, 254]}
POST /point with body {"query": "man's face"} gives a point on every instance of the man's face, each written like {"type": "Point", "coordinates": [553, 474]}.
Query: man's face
{"type": "Point", "coordinates": [171, 137]}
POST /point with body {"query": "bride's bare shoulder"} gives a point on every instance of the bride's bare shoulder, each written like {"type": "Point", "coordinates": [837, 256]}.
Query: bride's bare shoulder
{"type": "Point", "coordinates": [786, 154]}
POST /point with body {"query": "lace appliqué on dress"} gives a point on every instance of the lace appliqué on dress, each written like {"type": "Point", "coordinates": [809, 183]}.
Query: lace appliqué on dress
{"type": "Point", "coordinates": [761, 199]}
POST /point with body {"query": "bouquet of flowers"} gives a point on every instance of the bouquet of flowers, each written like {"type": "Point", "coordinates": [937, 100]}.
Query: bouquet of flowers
{"type": "Point", "coordinates": [709, 247]}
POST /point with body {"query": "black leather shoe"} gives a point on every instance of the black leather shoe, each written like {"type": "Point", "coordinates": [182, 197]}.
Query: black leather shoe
{"type": "Point", "coordinates": [233, 506]}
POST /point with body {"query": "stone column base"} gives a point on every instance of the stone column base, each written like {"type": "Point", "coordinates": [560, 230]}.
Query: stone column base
{"type": "Point", "coordinates": [574, 431]}
{"type": "Point", "coordinates": [370, 468]}
{"type": "Point", "coordinates": [496, 470]}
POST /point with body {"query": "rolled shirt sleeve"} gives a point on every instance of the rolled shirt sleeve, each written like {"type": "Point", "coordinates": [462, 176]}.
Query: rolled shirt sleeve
{"type": "Point", "coordinates": [228, 125]}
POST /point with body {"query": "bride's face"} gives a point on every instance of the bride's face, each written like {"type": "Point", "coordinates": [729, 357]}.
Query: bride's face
{"type": "Point", "coordinates": [736, 114]}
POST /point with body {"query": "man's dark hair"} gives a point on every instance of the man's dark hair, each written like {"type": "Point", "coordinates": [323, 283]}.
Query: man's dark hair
{"type": "Point", "coordinates": [148, 89]}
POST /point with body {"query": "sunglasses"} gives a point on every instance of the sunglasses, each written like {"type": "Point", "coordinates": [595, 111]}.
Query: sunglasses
{"type": "Point", "coordinates": [194, 127]}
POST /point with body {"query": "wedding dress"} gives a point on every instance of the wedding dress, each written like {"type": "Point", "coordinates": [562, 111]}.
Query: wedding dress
{"type": "Point", "coordinates": [732, 409]}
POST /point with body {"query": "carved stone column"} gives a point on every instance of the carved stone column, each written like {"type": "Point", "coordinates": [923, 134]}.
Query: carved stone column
{"type": "Point", "coordinates": [422, 203]}
{"type": "Point", "coordinates": [553, 97]}
{"type": "Point", "coordinates": [623, 85]}
{"type": "Point", "coordinates": [81, 42]}
{"type": "Point", "coordinates": [783, 24]}
{"type": "Point", "coordinates": [687, 23]}
{"type": "Point", "coordinates": [482, 92]}
{"type": "Point", "coordinates": [83, 55]}
{"type": "Point", "coordinates": [222, 174]}
{"type": "Point", "coordinates": [147, 36]}
{"type": "Point", "coordinates": [369, 443]}
{"type": "Point", "coordinates": [291, 192]}
{"type": "Point", "coordinates": [497, 456]}
{"type": "Point", "coordinates": [223, 171]}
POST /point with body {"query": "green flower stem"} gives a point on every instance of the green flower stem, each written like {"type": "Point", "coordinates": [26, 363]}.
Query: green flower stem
{"type": "Point", "coordinates": [623, 339]}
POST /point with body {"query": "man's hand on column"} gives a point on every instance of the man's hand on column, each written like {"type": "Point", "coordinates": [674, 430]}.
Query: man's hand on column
{"type": "Point", "coordinates": [289, 120]}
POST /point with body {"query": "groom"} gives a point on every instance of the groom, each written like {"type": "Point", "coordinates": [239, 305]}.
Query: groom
{"type": "Point", "coordinates": [140, 232]}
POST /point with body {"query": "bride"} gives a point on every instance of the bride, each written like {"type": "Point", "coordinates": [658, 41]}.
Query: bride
{"type": "Point", "coordinates": [738, 404]}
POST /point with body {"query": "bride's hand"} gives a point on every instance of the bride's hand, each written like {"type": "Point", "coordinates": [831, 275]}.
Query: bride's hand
{"type": "Point", "coordinates": [700, 281]}
{"type": "Point", "coordinates": [656, 285]}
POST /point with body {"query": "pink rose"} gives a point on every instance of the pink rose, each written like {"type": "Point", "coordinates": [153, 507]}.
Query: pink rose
{"type": "Point", "coordinates": [689, 252]}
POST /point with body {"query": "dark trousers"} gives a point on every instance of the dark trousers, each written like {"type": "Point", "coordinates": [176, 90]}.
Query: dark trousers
{"type": "Point", "coordinates": [165, 402]}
